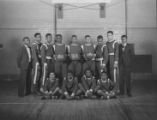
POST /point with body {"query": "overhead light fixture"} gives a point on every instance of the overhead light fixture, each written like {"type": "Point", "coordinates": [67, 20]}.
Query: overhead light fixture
{"type": "Point", "coordinates": [102, 10]}
{"type": "Point", "coordinates": [80, 1]}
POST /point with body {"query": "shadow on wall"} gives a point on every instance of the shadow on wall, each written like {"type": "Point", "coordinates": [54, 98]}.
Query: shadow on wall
{"type": "Point", "coordinates": [149, 46]}
{"type": "Point", "coordinates": [68, 34]}
{"type": "Point", "coordinates": [9, 55]}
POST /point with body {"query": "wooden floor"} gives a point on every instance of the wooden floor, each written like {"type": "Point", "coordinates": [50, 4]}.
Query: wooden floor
{"type": "Point", "coordinates": [142, 106]}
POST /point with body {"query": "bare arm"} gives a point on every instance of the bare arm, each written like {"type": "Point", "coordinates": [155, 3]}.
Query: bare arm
{"type": "Point", "coordinates": [34, 53]}
{"type": "Point", "coordinates": [84, 84]}
{"type": "Point", "coordinates": [75, 85]}
{"type": "Point", "coordinates": [105, 55]}
{"type": "Point", "coordinates": [97, 86]}
{"type": "Point", "coordinates": [43, 54]}
{"type": "Point", "coordinates": [116, 58]}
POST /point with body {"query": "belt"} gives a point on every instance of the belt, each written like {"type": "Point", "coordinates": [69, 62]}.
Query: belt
{"type": "Point", "coordinates": [39, 56]}
{"type": "Point", "coordinates": [60, 57]}
{"type": "Point", "coordinates": [74, 56]}
{"type": "Point", "coordinates": [93, 59]}
{"type": "Point", "coordinates": [48, 60]}
{"type": "Point", "coordinates": [98, 59]}
{"type": "Point", "coordinates": [48, 57]}
{"type": "Point", "coordinates": [111, 53]}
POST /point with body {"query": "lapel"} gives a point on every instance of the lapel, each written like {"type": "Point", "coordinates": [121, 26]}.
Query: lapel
{"type": "Point", "coordinates": [25, 51]}
{"type": "Point", "coordinates": [121, 48]}
{"type": "Point", "coordinates": [125, 49]}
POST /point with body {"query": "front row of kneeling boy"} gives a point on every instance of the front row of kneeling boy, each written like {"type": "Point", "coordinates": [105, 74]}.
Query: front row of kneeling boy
{"type": "Point", "coordinates": [71, 88]}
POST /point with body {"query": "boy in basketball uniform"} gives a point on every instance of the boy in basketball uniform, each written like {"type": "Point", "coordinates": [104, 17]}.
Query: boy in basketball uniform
{"type": "Point", "coordinates": [51, 88]}
{"type": "Point", "coordinates": [36, 59]}
{"type": "Point", "coordinates": [47, 53]}
{"type": "Point", "coordinates": [74, 53]}
{"type": "Point", "coordinates": [88, 50]}
{"type": "Point", "coordinates": [88, 84]}
{"type": "Point", "coordinates": [60, 51]}
{"type": "Point", "coordinates": [70, 86]}
{"type": "Point", "coordinates": [105, 87]}
{"type": "Point", "coordinates": [101, 58]}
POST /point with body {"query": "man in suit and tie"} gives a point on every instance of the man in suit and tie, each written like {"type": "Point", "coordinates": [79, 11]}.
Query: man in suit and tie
{"type": "Point", "coordinates": [126, 54]}
{"type": "Point", "coordinates": [24, 64]}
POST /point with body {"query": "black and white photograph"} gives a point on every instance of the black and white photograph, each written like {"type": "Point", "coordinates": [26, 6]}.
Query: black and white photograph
{"type": "Point", "coordinates": [78, 59]}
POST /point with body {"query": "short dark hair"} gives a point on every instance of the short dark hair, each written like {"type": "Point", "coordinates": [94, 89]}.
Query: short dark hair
{"type": "Point", "coordinates": [26, 38]}
{"type": "Point", "coordinates": [58, 35]}
{"type": "Point", "coordinates": [100, 37]}
{"type": "Point", "coordinates": [48, 34]}
{"type": "Point", "coordinates": [87, 36]}
{"type": "Point", "coordinates": [87, 70]}
{"type": "Point", "coordinates": [110, 32]}
{"type": "Point", "coordinates": [124, 36]}
{"type": "Point", "coordinates": [103, 72]}
{"type": "Point", "coordinates": [36, 34]}
{"type": "Point", "coordinates": [70, 72]}
{"type": "Point", "coordinates": [52, 73]}
{"type": "Point", "coordinates": [74, 36]}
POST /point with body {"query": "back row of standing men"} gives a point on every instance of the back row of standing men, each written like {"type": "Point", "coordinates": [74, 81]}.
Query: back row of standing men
{"type": "Point", "coordinates": [60, 58]}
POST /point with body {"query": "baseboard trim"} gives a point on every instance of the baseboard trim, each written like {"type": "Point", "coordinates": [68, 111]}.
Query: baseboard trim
{"type": "Point", "coordinates": [9, 77]}
{"type": "Point", "coordinates": [134, 76]}
{"type": "Point", "coordinates": [143, 76]}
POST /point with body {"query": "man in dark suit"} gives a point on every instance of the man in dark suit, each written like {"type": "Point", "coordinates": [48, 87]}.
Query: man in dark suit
{"type": "Point", "coordinates": [126, 54]}
{"type": "Point", "coordinates": [24, 64]}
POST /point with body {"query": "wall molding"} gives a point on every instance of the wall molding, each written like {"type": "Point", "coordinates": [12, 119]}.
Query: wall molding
{"type": "Point", "coordinates": [134, 76]}
{"type": "Point", "coordinates": [69, 28]}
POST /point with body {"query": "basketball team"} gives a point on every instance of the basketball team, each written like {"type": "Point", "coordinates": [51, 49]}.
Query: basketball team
{"type": "Point", "coordinates": [54, 70]}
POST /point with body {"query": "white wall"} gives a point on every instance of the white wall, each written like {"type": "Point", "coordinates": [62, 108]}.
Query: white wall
{"type": "Point", "coordinates": [19, 19]}
{"type": "Point", "coordinates": [87, 21]}
{"type": "Point", "coordinates": [142, 28]}
{"type": "Point", "coordinates": [25, 17]}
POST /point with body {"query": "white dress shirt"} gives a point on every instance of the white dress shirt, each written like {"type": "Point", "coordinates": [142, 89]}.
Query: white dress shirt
{"type": "Point", "coordinates": [124, 45]}
{"type": "Point", "coordinates": [28, 52]}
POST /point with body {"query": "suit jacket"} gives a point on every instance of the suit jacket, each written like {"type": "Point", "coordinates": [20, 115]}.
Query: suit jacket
{"type": "Point", "coordinates": [126, 56]}
{"type": "Point", "coordinates": [22, 58]}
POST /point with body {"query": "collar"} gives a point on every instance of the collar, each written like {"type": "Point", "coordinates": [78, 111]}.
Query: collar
{"type": "Point", "coordinates": [100, 43]}
{"type": "Point", "coordinates": [88, 44]}
{"type": "Point", "coordinates": [111, 41]}
{"type": "Point", "coordinates": [37, 42]}
{"type": "Point", "coordinates": [59, 44]}
{"type": "Point", "coordinates": [74, 44]}
{"type": "Point", "coordinates": [52, 81]}
{"type": "Point", "coordinates": [26, 46]}
{"type": "Point", "coordinates": [70, 81]}
{"type": "Point", "coordinates": [103, 81]}
{"type": "Point", "coordinates": [124, 45]}
{"type": "Point", "coordinates": [48, 43]}
{"type": "Point", "coordinates": [88, 77]}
